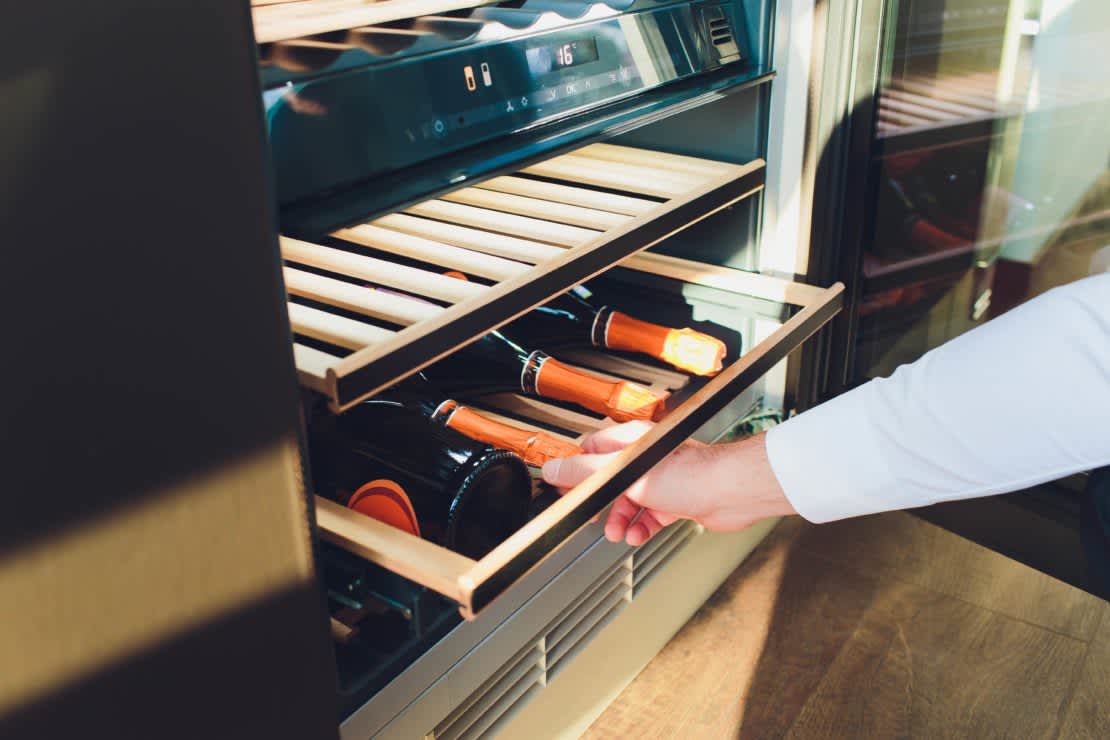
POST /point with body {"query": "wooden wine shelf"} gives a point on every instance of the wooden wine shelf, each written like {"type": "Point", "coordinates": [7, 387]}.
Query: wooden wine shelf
{"type": "Point", "coordinates": [917, 112]}
{"type": "Point", "coordinates": [521, 239]}
{"type": "Point", "coordinates": [473, 584]}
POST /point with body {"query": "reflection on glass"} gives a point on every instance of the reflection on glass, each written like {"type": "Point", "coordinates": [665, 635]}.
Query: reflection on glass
{"type": "Point", "coordinates": [991, 179]}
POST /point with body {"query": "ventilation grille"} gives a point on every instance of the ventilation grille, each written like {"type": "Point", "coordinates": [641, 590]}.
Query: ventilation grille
{"type": "Point", "coordinates": [719, 28]}
{"type": "Point", "coordinates": [587, 616]}
{"type": "Point", "coordinates": [648, 560]}
{"type": "Point", "coordinates": [519, 677]}
{"type": "Point", "coordinates": [522, 677]}
{"type": "Point", "coordinates": [719, 31]}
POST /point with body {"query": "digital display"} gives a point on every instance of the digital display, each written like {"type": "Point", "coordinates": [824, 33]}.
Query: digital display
{"type": "Point", "coordinates": [544, 59]}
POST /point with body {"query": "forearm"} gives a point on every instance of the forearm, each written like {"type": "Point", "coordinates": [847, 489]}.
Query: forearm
{"type": "Point", "coordinates": [1018, 401]}
{"type": "Point", "coordinates": [741, 484]}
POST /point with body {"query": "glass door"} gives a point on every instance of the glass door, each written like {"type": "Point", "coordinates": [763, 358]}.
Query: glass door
{"type": "Point", "coordinates": [988, 180]}
{"type": "Point", "coordinates": [972, 143]}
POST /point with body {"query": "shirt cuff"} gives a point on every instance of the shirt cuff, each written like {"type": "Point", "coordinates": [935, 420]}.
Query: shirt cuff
{"type": "Point", "coordinates": [828, 463]}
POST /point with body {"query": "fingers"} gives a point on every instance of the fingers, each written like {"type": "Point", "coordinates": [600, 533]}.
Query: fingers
{"type": "Point", "coordinates": [568, 472]}
{"type": "Point", "coordinates": [643, 529]}
{"type": "Point", "coordinates": [620, 516]}
{"type": "Point", "coordinates": [615, 438]}
{"type": "Point", "coordinates": [634, 525]}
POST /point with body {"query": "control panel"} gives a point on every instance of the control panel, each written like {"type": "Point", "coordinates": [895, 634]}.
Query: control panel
{"type": "Point", "coordinates": [342, 129]}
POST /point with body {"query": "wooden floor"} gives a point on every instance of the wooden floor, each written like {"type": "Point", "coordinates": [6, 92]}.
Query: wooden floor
{"type": "Point", "coordinates": [880, 627]}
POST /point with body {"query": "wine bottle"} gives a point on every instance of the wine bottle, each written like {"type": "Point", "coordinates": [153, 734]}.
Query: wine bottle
{"type": "Point", "coordinates": [391, 462]}
{"type": "Point", "coordinates": [497, 362]}
{"type": "Point", "coordinates": [570, 319]}
{"type": "Point", "coordinates": [535, 447]}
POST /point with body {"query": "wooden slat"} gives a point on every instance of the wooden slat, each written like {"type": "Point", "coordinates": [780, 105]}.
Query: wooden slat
{"type": "Point", "coordinates": [544, 413]}
{"type": "Point", "coordinates": [418, 560]}
{"type": "Point", "coordinates": [312, 366]}
{"type": "Point", "coordinates": [505, 223]}
{"type": "Point", "coordinates": [433, 252]}
{"type": "Point", "coordinates": [276, 22]}
{"type": "Point", "coordinates": [481, 241]}
{"type": "Point", "coordinates": [387, 306]}
{"type": "Point", "coordinates": [379, 271]}
{"type": "Point", "coordinates": [569, 194]}
{"type": "Point", "coordinates": [338, 330]}
{"type": "Point", "coordinates": [520, 423]}
{"type": "Point", "coordinates": [655, 378]}
{"type": "Point", "coordinates": [628, 178]}
{"type": "Point", "coordinates": [987, 105]}
{"type": "Point", "coordinates": [564, 213]}
{"type": "Point", "coordinates": [903, 119]}
{"type": "Point", "coordinates": [921, 111]}
{"type": "Point", "coordinates": [340, 632]}
{"type": "Point", "coordinates": [753, 284]}
{"type": "Point", "coordinates": [656, 160]}
{"type": "Point", "coordinates": [947, 106]}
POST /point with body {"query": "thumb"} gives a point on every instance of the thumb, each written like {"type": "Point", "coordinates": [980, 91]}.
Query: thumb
{"type": "Point", "coordinates": [567, 472]}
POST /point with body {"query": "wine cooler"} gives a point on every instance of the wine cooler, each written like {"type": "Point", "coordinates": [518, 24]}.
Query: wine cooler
{"type": "Point", "coordinates": [305, 292]}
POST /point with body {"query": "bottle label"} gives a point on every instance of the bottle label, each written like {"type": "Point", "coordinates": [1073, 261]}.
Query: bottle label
{"type": "Point", "coordinates": [386, 501]}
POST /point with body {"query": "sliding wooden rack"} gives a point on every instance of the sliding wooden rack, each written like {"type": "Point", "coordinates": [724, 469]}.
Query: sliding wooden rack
{"type": "Point", "coordinates": [473, 584]}
{"type": "Point", "coordinates": [377, 292]}
{"type": "Point", "coordinates": [521, 238]}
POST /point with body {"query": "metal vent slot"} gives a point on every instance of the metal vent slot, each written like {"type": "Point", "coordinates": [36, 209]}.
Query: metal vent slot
{"type": "Point", "coordinates": [493, 699]}
{"type": "Point", "coordinates": [507, 709]}
{"type": "Point", "coordinates": [584, 633]}
{"type": "Point", "coordinates": [719, 31]}
{"type": "Point", "coordinates": [615, 582]}
{"type": "Point", "coordinates": [647, 564]}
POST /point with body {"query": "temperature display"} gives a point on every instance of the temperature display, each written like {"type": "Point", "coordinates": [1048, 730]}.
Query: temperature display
{"type": "Point", "coordinates": [544, 59]}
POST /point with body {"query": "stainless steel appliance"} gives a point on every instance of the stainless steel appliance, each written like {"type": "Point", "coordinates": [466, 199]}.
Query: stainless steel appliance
{"type": "Point", "coordinates": [535, 146]}
{"type": "Point", "coordinates": [698, 161]}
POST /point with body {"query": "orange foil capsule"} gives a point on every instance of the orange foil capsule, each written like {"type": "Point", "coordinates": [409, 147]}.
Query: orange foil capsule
{"type": "Point", "coordinates": [535, 447]}
{"type": "Point", "coordinates": [621, 401]}
{"type": "Point", "coordinates": [686, 349]}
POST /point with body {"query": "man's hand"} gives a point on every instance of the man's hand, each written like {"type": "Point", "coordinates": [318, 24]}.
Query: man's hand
{"type": "Point", "coordinates": [722, 487]}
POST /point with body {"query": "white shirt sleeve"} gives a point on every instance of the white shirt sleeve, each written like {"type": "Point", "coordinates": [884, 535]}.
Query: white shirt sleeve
{"type": "Point", "coordinates": [1021, 400]}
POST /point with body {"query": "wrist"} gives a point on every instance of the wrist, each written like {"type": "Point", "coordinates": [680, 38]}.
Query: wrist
{"type": "Point", "coordinates": [745, 486]}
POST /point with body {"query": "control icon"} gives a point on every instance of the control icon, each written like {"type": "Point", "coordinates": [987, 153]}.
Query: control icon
{"type": "Point", "coordinates": [487, 78]}
{"type": "Point", "coordinates": [439, 127]}
{"type": "Point", "coordinates": [509, 106]}
{"type": "Point", "coordinates": [523, 102]}
{"type": "Point", "coordinates": [471, 83]}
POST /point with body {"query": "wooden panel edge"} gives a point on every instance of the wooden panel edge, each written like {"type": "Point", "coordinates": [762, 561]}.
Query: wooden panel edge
{"type": "Point", "coordinates": [411, 557]}
{"type": "Point", "coordinates": [767, 287]}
